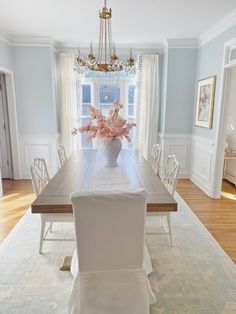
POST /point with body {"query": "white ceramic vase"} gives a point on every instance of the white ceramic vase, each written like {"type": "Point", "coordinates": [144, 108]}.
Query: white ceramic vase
{"type": "Point", "coordinates": [111, 150]}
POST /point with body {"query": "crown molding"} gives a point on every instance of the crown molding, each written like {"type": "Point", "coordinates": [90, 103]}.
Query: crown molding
{"type": "Point", "coordinates": [33, 41]}
{"type": "Point", "coordinates": [29, 41]}
{"type": "Point", "coordinates": [221, 26]}
{"type": "Point", "coordinates": [181, 43]}
{"type": "Point", "coordinates": [6, 39]}
{"type": "Point", "coordinates": [121, 48]}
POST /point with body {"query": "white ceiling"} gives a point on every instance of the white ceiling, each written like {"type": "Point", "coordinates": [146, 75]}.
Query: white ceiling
{"type": "Point", "coordinates": [133, 21]}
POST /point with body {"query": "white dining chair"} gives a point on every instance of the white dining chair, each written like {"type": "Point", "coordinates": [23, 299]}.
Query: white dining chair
{"type": "Point", "coordinates": [61, 154]}
{"type": "Point", "coordinates": [39, 175]}
{"type": "Point", "coordinates": [170, 174]}
{"type": "Point", "coordinates": [40, 179]}
{"type": "Point", "coordinates": [155, 158]}
{"type": "Point", "coordinates": [111, 278]}
{"type": "Point", "coordinates": [169, 179]}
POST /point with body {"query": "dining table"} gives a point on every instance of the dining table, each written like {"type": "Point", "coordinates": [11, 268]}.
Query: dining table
{"type": "Point", "coordinates": [85, 170]}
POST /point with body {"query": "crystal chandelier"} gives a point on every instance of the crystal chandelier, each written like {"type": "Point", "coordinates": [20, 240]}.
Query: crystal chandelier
{"type": "Point", "coordinates": [107, 59]}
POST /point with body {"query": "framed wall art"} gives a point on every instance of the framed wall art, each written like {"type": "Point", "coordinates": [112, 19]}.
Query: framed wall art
{"type": "Point", "coordinates": [205, 102]}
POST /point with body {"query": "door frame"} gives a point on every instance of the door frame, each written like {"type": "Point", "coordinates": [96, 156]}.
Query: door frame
{"type": "Point", "coordinates": [13, 123]}
{"type": "Point", "coordinates": [8, 149]}
{"type": "Point", "coordinates": [221, 132]}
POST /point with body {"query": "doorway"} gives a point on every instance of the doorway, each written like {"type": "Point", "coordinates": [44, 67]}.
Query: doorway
{"type": "Point", "coordinates": [229, 169]}
{"type": "Point", "coordinates": [225, 158]}
{"type": "Point", "coordinates": [5, 138]}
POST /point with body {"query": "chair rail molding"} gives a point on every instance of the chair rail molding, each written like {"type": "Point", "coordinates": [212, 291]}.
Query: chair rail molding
{"type": "Point", "coordinates": [202, 163]}
{"type": "Point", "coordinates": [38, 146]}
{"type": "Point", "coordinates": [180, 146]}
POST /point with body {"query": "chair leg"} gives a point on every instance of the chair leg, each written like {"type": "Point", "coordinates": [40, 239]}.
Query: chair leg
{"type": "Point", "coordinates": [50, 227]}
{"type": "Point", "coordinates": [43, 222]}
{"type": "Point", "coordinates": [162, 222]}
{"type": "Point", "coordinates": [169, 227]}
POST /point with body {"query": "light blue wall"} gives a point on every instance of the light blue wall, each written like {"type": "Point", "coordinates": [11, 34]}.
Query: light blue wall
{"type": "Point", "coordinates": [35, 90]}
{"type": "Point", "coordinates": [210, 60]}
{"type": "Point", "coordinates": [161, 60]}
{"type": "Point", "coordinates": [163, 77]}
{"type": "Point", "coordinates": [5, 56]}
{"type": "Point", "coordinates": [180, 90]}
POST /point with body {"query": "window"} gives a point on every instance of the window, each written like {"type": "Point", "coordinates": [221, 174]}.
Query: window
{"type": "Point", "coordinates": [107, 94]}
{"type": "Point", "coordinates": [100, 92]}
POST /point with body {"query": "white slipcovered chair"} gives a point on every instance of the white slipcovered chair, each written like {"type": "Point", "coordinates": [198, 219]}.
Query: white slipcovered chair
{"type": "Point", "coordinates": [111, 277]}
{"type": "Point", "coordinates": [40, 178]}
{"type": "Point", "coordinates": [155, 158]}
{"type": "Point", "coordinates": [61, 154]}
{"type": "Point", "coordinates": [169, 179]}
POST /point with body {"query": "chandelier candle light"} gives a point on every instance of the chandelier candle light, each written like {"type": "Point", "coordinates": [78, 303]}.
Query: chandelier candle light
{"type": "Point", "coordinates": [107, 59]}
{"type": "Point", "coordinates": [111, 129]}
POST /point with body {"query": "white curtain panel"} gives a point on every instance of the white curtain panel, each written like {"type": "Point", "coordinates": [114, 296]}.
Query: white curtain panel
{"type": "Point", "coordinates": [148, 103]}
{"type": "Point", "coordinates": [67, 101]}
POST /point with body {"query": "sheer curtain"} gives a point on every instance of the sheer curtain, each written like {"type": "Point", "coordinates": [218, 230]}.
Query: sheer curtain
{"type": "Point", "coordinates": [147, 103]}
{"type": "Point", "coordinates": [67, 101]}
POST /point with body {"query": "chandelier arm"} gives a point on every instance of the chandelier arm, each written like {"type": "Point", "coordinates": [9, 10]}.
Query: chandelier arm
{"type": "Point", "coordinates": [124, 63]}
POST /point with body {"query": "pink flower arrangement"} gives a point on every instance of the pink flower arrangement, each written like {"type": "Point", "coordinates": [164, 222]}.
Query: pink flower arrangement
{"type": "Point", "coordinates": [110, 127]}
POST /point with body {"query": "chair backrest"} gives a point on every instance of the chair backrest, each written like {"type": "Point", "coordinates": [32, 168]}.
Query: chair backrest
{"type": "Point", "coordinates": [39, 175]}
{"type": "Point", "coordinates": [171, 172]}
{"type": "Point", "coordinates": [61, 154]}
{"type": "Point", "coordinates": [155, 158]}
{"type": "Point", "coordinates": [109, 229]}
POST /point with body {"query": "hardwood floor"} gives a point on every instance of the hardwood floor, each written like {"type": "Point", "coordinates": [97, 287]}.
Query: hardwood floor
{"type": "Point", "coordinates": [219, 216]}
{"type": "Point", "coordinates": [17, 198]}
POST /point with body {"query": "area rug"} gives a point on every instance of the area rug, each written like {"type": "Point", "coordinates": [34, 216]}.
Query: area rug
{"type": "Point", "coordinates": [195, 276]}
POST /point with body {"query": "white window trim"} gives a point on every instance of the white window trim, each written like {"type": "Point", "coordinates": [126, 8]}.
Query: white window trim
{"type": "Point", "coordinates": [94, 83]}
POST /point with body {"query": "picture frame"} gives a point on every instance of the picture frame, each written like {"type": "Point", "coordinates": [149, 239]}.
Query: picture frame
{"type": "Point", "coordinates": [205, 102]}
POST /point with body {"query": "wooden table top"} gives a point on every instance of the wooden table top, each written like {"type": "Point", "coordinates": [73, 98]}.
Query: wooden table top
{"type": "Point", "coordinates": [230, 155]}
{"type": "Point", "coordinates": [85, 170]}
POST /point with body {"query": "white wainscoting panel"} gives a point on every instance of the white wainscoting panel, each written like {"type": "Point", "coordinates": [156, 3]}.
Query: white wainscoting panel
{"type": "Point", "coordinates": [196, 156]}
{"type": "Point", "coordinates": [202, 161]}
{"type": "Point", "coordinates": [38, 146]}
{"type": "Point", "coordinates": [180, 146]}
